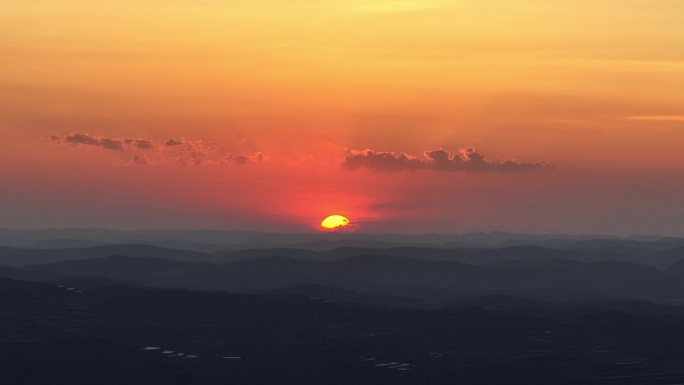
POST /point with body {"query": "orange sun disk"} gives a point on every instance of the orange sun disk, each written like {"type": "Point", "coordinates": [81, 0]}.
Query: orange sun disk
{"type": "Point", "coordinates": [334, 221]}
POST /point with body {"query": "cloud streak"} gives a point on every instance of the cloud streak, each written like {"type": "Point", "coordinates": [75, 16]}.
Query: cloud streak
{"type": "Point", "coordinates": [147, 152]}
{"type": "Point", "coordinates": [467, 160]}
{"type": "Point", "coordinates": [671, 118]}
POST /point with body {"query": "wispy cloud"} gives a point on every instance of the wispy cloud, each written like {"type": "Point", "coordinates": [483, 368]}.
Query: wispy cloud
{"type": "Point", "coordinates": [146, 151]}
{"type": "Point", "coordinates": [671, 118]}
{"type": "Point", "coordinates": [467, 160]}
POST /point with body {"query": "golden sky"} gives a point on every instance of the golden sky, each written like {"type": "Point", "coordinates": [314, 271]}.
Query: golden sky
{"type": "Point", "coordinates": [286, 112]}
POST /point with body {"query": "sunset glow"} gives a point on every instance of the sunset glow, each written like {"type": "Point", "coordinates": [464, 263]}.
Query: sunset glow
{"type": "Point", "coordinates": [413, 116]}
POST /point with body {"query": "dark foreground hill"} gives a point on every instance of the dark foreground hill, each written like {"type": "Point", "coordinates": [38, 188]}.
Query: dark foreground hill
{"type": "Point", "coordinates": [118, 335]}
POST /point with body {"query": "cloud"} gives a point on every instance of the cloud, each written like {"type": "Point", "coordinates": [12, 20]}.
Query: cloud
{"type": "Point", "coordinates": [383, 161]}
{"type": "Point", "coordinates": [245, 159]}
{"type": "Point", "coordinates": [111, 144]}
{"type": "Point", "coordinates": [467, 160]}
{"type": "Point", "coordinates": [145, 144]}
{"type": "Point", "coordinates": [82, 139]}
{"type": "Point", "coordinates": [181, 151]}
{"type": "Point", "coordinates": [78, 139]}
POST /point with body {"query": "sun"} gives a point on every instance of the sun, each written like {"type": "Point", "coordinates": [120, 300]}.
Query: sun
{"type": "Point", "coordinates": [334, 221]}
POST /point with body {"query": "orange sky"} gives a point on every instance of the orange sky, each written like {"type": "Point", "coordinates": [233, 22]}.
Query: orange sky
{"type": "Point", "coordinates": [270, 101]}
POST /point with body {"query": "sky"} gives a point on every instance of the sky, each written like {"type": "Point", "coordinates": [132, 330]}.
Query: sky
{"type": "Point", "coordinates": [402, 115]}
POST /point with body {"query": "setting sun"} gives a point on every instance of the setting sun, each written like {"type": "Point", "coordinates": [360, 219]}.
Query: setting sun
{"type": "Point", "coordinates": [334, 221]}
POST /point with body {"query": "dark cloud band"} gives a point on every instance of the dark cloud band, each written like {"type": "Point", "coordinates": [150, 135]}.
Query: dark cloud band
{"type": "Point", "coordinates": [467, 160]}
{"type": "Point", "coordinates": [144, 151]}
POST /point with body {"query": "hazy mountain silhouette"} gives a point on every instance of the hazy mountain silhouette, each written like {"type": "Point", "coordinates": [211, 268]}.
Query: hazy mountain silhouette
{"type": "Point", "coordinates": [657, 258]}
{"type": "Point", "coordinates": [118, 267]}
{"type": "Point", "coordinates": [677, 268]}
{"type": "Point", "coordinates": [237, 255]}
{"type": "Point", "coordinates": [64, 243]}
{"type": "Point", "coordinates": [337, 294]}
{"type": "Point", "coordinates": [670, 256]}
{"type": "Point", "coordinates": [220, 237]}
{"type": "Point", "coordinates": [385, 275]}
{"type": "Point", "coordinates": [339, 308]}
{"type": "Point", "coordinates": [19, 257]}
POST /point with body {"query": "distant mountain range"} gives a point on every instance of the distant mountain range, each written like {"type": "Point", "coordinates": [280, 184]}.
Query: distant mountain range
{"type": "Point", "coordinates": [253, 239]}
{"type": "Point", "coordinates": [12, 256]}
{"type": "Point", "coordinates": [382, 275]}
{"type": "Point", "coordinates": [215, 307]}
{"type": "Point", "coordinates": [653, 256]}
{"type": "Point", "coordinates": [428, 268]}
